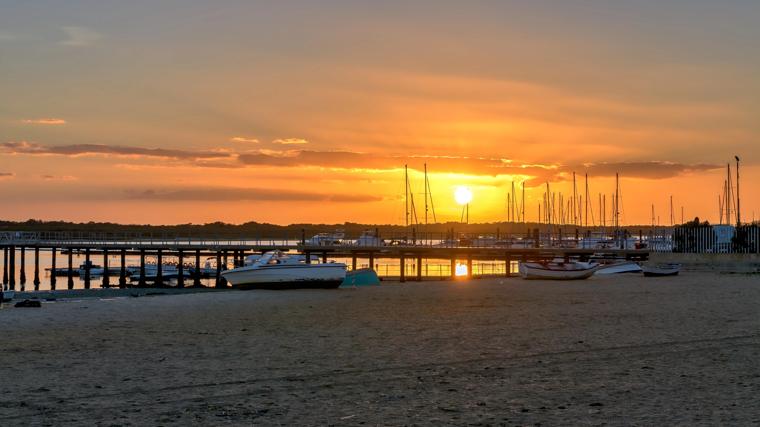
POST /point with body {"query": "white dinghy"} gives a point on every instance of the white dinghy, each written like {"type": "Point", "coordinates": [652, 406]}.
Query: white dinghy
{"type": "Point", "coordinates": [619, 268]}
{"type": "Point", "coordinates": [557, 270]}
{"type": "Point", "coordinates": [661, 270]}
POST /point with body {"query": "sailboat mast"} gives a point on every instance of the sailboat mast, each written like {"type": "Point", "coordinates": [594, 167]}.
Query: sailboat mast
{"type": "Point", "coordinates": [575, 198]}
{"type": "Point", "coordinates": [587, 195]}
{"type": "Point", "coordinates": [617, 200]}
{"type": "Point", "coordinates": [426, 195]}
{"type": "Point", "coordinates": [406, 195]}
{"type": "Point", "coordinates": [523, 201]}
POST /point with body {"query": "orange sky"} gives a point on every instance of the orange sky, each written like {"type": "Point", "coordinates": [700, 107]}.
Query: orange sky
{"type": "Point", "coordinates": [193, 112]}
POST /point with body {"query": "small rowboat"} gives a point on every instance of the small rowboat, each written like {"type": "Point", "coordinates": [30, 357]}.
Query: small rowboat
{"type": "Point", "coordinates": [620, 267]}
{"type": "Point", "coordinates": [558, 270]}
{"type": "Point", "coordinates": [660, 270]}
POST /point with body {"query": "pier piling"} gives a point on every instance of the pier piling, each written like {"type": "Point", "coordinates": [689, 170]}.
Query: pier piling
{"type": "Point", "coordinates": [453, 268]}
{"type": "Point", "coordinates": [36, 280]}
{"type": "Point", "coordinates": [353, 261]}
{"type": "Point", "coordinates": [197, 275]}
{"type": "Point", "coordinates": [5, 266]}
{"type": "Point", "coordinates": [371, 260]}
{"type": "Point", "coordinates": [106, 281]}
{"type": "Point", "coordinates": [141, 280]}
{"type": "Point", "coordinates": [218, 281]}
{"type": "Point", "coordinates": [22, 272]}
{"type": "Point", "coordinates": [70, 271]}
{"type": "Point", "coordinates": [402, 271]}
{"type": "Point", "coordinates": [87, 268]}
{"type": "Point", "coordinates": [123, 269]}
{"type": "Point", "coordinates": [180, 269]}
{"type": "Point", "coordinates": [12, 268]}
{"type": "Point", "coordinates": [469, 266]}
{"type": "Point", "coordinates": [52, 269]}
{"type": "Point", "coordinates": [419, 268]}
{"type": "Point", "coordinates": [159, 269]}
{"type": "Point", "coordinates": [307, 255]}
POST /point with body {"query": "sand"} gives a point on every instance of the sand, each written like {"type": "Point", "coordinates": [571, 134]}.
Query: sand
{"type": "Point", "coordinates": [612, 350]}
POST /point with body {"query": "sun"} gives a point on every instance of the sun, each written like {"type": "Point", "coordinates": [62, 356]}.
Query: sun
{"type": "Point", "coordinates": [463, 195]}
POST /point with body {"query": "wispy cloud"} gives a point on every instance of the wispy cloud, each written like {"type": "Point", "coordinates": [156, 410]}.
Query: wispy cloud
{"type": "Point", "coordinates": [244, 139]}
{"type": "Point", "coordinates": [79, 36]}
{"type": "Point", "coordinates": [59, 178]}
{"type": "Point", "coordinates": [290, 141]}
{"type": "Point", "coordinates": [33, 148]}
{"type": "Point", "coordinates": [647, 170]}
{"type": "Point", "coordinates": [45, 121]}
{"type": "Point", "coordinates": [7, 175]}
{"type": "Point", "coordinates": [214, 194]}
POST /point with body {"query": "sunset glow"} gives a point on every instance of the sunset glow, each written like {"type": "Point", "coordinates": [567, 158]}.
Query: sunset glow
{"type": "Point", "coordinates": [289, 113]}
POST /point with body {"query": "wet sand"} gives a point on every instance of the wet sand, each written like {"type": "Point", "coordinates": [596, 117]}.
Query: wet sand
{"type": "Point", "coordinates": [612, 350]}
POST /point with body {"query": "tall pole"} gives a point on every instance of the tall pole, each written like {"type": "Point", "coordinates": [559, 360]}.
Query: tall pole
{"type": "Point", "coordinates": [523, 201]}
{"type": "Point", "coordinates": [426, 197]}
{"type": "Point", "coordinates": [575, 199]}
{"type": "Point", "coordinates": [587, 200]}
{"type": "Point", "coordinates": [406, 195]}
{"type": "Point", "coordinates": [738, 205]}
{"type": "Point", "coordinates": [617, 200]}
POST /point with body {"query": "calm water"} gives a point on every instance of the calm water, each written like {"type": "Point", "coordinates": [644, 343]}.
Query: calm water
{"type": "Point", "coordinates": [384, 267]}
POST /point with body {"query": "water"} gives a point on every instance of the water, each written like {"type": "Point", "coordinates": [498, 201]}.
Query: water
{"type": "Point", "coordinates": [431, 268]}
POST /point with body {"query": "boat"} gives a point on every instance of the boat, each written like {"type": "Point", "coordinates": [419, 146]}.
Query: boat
{"type": "Point", "coordinates": [327, 239]}
{"type": "Point", "coordinates": [573, 270]}
{"type": "Point", "coordinates": [278, 270]}
{"type": "Point", "coordinates": [660, 270]}
{"type": "Point", "coordinates": [619, 267]}
{"type": "Point", "coordinates": [6, 295]}
{"type": "Point", "coordinates": [361, 277]}
{"type": "Point", "coordinates": [369, 238]}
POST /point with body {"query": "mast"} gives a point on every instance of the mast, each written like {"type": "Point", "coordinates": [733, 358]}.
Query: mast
{"type": "Point", "coordinates": [406, 195]}
{"type": "Point", "coordinates": [738, 205]}
{"type": "Point", "coordinates": [523, 201]}
{"type": "Point", "coordinates": [575, 199]}
{"type": "Point", "coordinates": [617, 200]}
{"type": "Point", "coordinates": [426, 197]}
{"type": "Point", "coordinates": [672, 216]}
{"type": "Point", "coordinates": [587, 200]}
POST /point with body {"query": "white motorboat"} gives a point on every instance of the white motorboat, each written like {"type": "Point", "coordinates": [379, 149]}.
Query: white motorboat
{"type": "Point", "coordinates": [327, 239]}
{"type": "Point", "coordinates": [369, 238]}
{"type": "Point", "coordinates": [619, 268]}
{"type": "Point", "coordinates": [573, 270]}
{"type": "Point", "coordinates": [277, 270]}
{"type": "Point", "coordinates": [660, 270]}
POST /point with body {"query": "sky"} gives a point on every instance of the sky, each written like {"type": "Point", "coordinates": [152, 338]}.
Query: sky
{"type": "Point", "coordinates": [300, 111]}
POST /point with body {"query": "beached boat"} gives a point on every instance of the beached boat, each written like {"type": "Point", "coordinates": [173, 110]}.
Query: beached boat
{"type": "Point", "coordinates": [660, 270]}
{"type": "Point", "coordinates": [619, 268]}
{"type": "Point", "coordinates": [573, 270]}
{"type": "Point", "coordinates": [361, 277]}
{"type": "Point", "coordinates": [6, 295]}
{"type": "Point", "coordinates": [277, 270]}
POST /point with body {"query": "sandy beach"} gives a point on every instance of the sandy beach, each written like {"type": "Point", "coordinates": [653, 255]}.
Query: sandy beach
{"type": "Point", "coordinates": [613, 350]}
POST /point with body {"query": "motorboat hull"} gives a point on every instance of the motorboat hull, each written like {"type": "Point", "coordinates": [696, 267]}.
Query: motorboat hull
{"type": "Point", "coordinates": [295, 276]}
{"type": "Point", "coordinates": [536, 271]}
{"type": "Point", "coordinates": [6, 296]}
{"type": "Point", "coordinates": [619, 268]}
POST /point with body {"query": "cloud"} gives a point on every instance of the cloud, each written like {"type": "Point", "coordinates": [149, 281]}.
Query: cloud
{"type": "Point", "coordinates": [32, 148]}
{"type": "Point", "coordinates": [58, 178]}
{"type": "Point", "coordinates": [290, 141]}
{"type": "Point", "coordinates": [79, 36]}
{"type": "Point", "coordinates": [244, 139]}
{"type": "Point", "coordinates": [45, 121]}
{"type": "Point", "coordinates": [647, 170]}
{"type": "Point", "coordinates": [217, 194]}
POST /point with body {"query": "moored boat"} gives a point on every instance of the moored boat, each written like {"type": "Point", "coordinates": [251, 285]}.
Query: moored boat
{"type": "Point", "coordinates": [277, 270]}
{"type": "Point", "coordinates": [660, 270]}
{"type": "Point", "coordinates": [6, 295]}
{"type": "Point", "coordinates": [557, 270]}
{"type": "Point", "coordinates": [619, 268]}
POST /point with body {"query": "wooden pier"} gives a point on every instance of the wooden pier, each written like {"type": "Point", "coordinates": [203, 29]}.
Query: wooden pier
{"type": "Point", "coordinates": [190, 252]}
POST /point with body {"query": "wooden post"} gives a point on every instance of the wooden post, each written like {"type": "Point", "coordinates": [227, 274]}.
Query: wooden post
{"type": "Point", "coordinates": [22, 273]}
{"type": "Point", "coordinates": [106, 279]}
{"type": "Point", "coordinates": [36, 280]}
{"type": "Point", "coordinates": [453, 268]}
{"type": "Point", "coordinates": [372, 260]}
{"type": "Point", "coordinates": [70, 271]}
{"type": "Point", "coordinates": [180, 269]}
{"type": "Point", "coordinates": [324, 257]}
{"type": "Point", "coordinates": [353, 261]}
{"type": "Point", "coordinates": [12, 268]}
{"type": "Point", "coordinates": [218, 283]}
{"type": "Point", "coordinates": [419, 268]}
{"type": "Point", "coordinates": [469, 266]}
{"type": "Point", "coordinates": [159, 269]}
{"type": "Point", "coordinates": [123, 269]}
{"type": "Point", "coordinates": [402, 271]}
{"type": "Point", "coordinates": [52, 269]}
{"type": "Point", "coordinates": [5, 266]}
{"type": "Point", "coordinates": [87, 268]}
{"type": "Point", "coordinates": [141, 280]}
{"type": "Point", "coordinates": [307, 256]}
{"type": "Point", "coordinates": [197, 278]}
{"type": "Point", "coordinates": [222, 280]}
